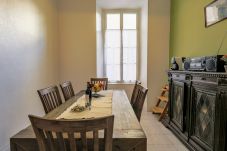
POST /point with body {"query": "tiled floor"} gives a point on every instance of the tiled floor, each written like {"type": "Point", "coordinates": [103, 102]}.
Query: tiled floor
{"type": "Point", "coordinates": [159, 138]}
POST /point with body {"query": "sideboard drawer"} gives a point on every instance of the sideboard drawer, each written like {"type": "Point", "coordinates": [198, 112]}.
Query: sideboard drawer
{"type": "Point", "coordinates": [179, 76]}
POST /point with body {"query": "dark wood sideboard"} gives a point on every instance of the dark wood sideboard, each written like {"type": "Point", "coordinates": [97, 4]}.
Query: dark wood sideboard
{"type": "Point", "coordinates": [197, 112]}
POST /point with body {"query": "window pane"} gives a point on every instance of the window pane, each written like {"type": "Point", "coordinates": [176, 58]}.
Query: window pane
{"type": "Point", "coordinates": [129, 72]}
{"type": "Point", "coordinates": [113, 38]}
{"type": "Point", "coordinates": [129, 64]}
{"type": "Point", "coordinates": [113, 72]}
{"type": "Point", "coordinates": [113, 21]}
{"type": "Point", "coordinates": [117, 39]}
{"type": "Point", "coordinates": [113, 56]}
{"type": "Point", "coordinates": [129, 21]}
{"type": "Point", "coordinates": [129, 55]}
{"type": "Point", "coordinates": [129, 38]}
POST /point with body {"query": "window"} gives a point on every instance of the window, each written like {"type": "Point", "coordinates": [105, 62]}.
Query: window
{"type": "Point", "coordinates": [120, 45]}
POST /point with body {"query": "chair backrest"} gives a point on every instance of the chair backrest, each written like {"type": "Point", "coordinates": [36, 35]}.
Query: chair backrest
{"type": "Point", "coordinates": [104, 81]}
{"type": "Point", "coordinates": [67, 90]}
{"type": "Point", "coordinates": [49, 133]}
{"type": "Point", "coordinates": [50, 98]}
{"type": "Point", "coordinates": [134, 92]}
{"type": "Point", "coordinates": [140, 98]}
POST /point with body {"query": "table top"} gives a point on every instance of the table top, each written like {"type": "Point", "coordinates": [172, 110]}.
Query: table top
{"type": "Point", "coordinates": [100, 107]}
{"type": "Point", "coordinates": [126, 124]}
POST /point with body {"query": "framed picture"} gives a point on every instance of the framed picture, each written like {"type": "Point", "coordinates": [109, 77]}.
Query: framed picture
{"type": "Point", "coordinates": [215, 12]}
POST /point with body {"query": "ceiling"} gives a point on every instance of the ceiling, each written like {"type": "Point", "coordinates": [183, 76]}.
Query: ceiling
{"type": "Point", "coordinates": [113, 4]}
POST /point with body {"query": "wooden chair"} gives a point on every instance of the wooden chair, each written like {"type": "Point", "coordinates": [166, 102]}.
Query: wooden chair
{"type": "Point", "coordinates": [104, 81]}
{"type": "Point", "coordinates": [67, 90]}
{"type": "Point", "coordinates": [139, 101]}
{"type": "Point", "coordinates": [49, 133]}
{"type": "Point", "coordinates": [50, 98]}
{"type": "Point", "coordinates": [135, 89]}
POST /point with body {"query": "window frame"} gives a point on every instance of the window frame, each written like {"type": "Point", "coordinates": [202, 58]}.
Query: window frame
{"type": "Point", "coordinates": [104, 28]}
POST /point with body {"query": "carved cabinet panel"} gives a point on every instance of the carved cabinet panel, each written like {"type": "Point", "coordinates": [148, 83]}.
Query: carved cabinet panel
{"type": "Point", "coordinates": [203, 117]}
{"type": "Point", "coordinates": [178, 104]}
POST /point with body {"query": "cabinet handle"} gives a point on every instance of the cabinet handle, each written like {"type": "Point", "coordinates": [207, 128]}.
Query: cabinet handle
{"type": "Point", "coordinates": [203, 78]}
{"type": "Point", "coordinates": [222, 93]}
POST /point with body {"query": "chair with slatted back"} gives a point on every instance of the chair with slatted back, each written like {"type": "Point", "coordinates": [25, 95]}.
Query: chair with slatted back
{"type": "Point", "coordinates": [134, 92]}
{"type": "Point", "coordinates": [139, 101]}
{"type": "Point", "coordinates": [50, 98]}
{"type": "Point", "coordinates": [67, 90]}
{"type": "Point", "coordinates": [62, 135]}
{"type": "Point", "coordinates": [104, 81]}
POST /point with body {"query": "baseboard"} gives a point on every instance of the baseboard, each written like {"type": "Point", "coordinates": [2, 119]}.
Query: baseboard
{"type": "Point", "coordinates": [5, 147]}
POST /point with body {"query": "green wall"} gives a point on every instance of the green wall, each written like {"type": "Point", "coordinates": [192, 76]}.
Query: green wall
{"type": "Point", "coordinates": [189, 36]}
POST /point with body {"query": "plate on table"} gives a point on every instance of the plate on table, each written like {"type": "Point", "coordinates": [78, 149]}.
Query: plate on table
{"type": "Point", "coordinates": [96, 95]}
{"type": "Point", "coordinates": [78, 108]}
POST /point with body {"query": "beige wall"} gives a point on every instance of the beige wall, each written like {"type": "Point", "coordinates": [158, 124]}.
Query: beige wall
{"type": "Point", "coordinates": [77, 37]}
{"type": "Point", "coordinates": [28, 61]}
{"type": "Point", "coordinates": [158, 47]}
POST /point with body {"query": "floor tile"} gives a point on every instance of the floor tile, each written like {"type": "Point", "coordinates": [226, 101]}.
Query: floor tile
{"type": "Point", "coordinates": [180, 148]}
{"type": "Point", "coordinates": [161, 148]}
{"type": "Point", "coordinates": [159, 138]}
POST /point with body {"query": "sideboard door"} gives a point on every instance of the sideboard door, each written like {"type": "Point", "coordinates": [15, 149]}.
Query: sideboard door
{"type": "Point", "coordinates": [203, 117]}
{"type": "Point", "coordinates": [177, 104]}
{"type": "Point", "coordinates": [221, 126]}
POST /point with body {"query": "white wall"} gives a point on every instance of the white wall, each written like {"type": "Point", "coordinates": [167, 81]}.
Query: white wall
{"type": "Point", "coordinates": [99, 39]}
{"type": "Point", "coordinates": [116, 4]}
{"type": "Point", "coordinates": [28, 61]}
{"type": "Point", "coordinates": [77, 38]}
{"type": "Point", "coordinates": [158, 47]}
{"type": "Point", "coordinates": [143, 43]}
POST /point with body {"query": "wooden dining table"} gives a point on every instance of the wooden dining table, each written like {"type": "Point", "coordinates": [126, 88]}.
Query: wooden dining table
{"type": "Point", "coordinates": [127, 134]}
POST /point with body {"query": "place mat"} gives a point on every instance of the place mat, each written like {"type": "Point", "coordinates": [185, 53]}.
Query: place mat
{"type": "Point", "coordinates": [100, 107]}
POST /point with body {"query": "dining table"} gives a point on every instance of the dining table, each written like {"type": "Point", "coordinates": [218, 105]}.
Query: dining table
{"type": "Point", "coordinates": [127, 132]}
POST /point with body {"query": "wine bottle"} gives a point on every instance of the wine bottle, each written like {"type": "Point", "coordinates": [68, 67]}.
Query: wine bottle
{"type": "Point", "coordinates": [87, 95]}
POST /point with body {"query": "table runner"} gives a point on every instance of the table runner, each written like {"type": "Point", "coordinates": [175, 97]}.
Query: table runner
{"type": "Point", "coordinates": [100, 107]}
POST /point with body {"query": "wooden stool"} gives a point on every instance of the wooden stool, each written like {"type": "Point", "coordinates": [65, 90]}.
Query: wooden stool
{"type": "Point", "coordinates": [162, 98]}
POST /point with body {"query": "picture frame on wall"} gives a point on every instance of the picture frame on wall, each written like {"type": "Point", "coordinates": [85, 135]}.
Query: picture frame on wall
{"type": "Point", "coordinates": [215, 12]}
